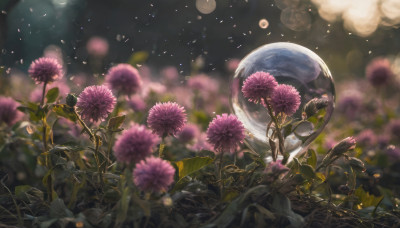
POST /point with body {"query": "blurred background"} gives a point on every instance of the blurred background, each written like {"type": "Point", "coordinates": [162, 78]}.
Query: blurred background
{"type": "Point", "coordinates": [207, 33]}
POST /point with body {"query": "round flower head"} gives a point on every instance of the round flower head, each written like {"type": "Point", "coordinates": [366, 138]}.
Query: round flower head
{"type": "Point", "coordinates": [134, 144]}
{"type": "Point", "coordinates": [95, 103]}
{"type": "Point", "coordinates": [203, 83]}
{"type": "Point", "coordinates": [188, 133]}
{"type": "Point", "coordinates": [393, 152]}
{"type": "Point", "coordinates": [137, 104]}
{"type": "Point", "coordinates": [8, 111]}
{"type": "Point", "coordinates": [367, 138]}
{"type": "Point", "coordinates": [225, 132]}
{"type": "Point", "coordinates": [285, 99]}
{"type": "Point", "coordinates": [258, 86]}
{"type": "Point", "coordinates": [378, 72]}
{"type": "Point", "coordinates": [350, 103]}
{"type": "Point", "coordinates": [45, 70]}
{"type": "Point", "coordinates": [124, 78]}
{"type": "Point", "coordinates": [201, 143]}
{"type": "Point", "coordinates": [153, 175]}
{"type": "Point", "coordinates": [166, 118]}
{"type": "Point", "coordinates": [394, 128]}
{"type": "Point", "coordinates": [97, 46]}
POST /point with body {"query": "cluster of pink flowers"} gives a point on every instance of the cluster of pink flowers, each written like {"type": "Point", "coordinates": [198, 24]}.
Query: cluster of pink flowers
{"type": "Point", "coordinates": [262, 87]}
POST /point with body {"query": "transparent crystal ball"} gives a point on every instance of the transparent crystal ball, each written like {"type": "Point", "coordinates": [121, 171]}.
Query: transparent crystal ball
{"type": "Point", "coordinates": [294, 65]}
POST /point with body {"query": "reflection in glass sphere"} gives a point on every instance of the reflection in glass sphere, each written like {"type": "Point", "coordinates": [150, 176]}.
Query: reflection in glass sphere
{"type": "Point", "coordinates": [294, 65]}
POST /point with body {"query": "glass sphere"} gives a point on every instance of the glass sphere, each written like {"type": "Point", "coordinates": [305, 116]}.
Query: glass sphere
{"type": "Point", "coordinates": [293, 65]}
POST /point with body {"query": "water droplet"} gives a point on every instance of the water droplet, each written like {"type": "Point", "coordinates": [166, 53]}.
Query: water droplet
{"type": "Point", "coordinates": [299, 67]}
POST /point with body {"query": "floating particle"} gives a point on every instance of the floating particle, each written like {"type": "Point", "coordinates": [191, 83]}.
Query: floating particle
{"type": "Point", "coordinates": [206, 6]}
{"type": "Point", "coordinates": [263, 23]}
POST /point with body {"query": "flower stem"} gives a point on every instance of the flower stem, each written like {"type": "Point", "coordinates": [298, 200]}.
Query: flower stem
{"type": "Point", "coordinates": [162, 146]}
{"type": "Point", "coordinates": [221, 185]}
{"type": "Point", "coordinates": [43, 94]}
{"type": "Point", "coordinates": [278, 129]}
{"type": "Point", "coordinates": [45, 146]}
{"type": "Point", "coordinates": [109, 147]}
{"type": "Point", "coordinates": [85, 127]}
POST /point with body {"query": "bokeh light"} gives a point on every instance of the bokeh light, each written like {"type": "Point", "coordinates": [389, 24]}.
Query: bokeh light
{"type": "Point", "coordinates": [263, 23]}
{"type": "Point", "coordinates": [363, 17]}
{"type": "Point", "coordinates": [206, 6]}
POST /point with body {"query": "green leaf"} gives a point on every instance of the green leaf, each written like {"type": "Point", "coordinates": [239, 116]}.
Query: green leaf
{"type": "Point", "coordinates": [365, 199]}
{"type": "Point", "coordinates": [65, 111]}
{"type": "Point", "coordinates": [188, 166]}
{"type": "Point", "coordinates": [230, 195]}
{"type": "Point", "coordinates": [281, 204]}
{"type": "Point", "coordinates": [307, 171]}
{"type": "Point", "coordinates": [312, 159]}
{"type": "Point", "coordinates": [237, 205]}
{"type": "Point", "coordinates": [59, 210]}
{"type": "Point", "coordinates": [21, 190]}
{"type": "Point", "coordinates": [115, 123]}
{"type": "Point", "coordinates": [52, 95]}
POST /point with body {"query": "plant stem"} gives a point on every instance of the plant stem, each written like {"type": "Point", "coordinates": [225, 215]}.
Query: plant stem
{"type": "Point", "coordinates": [45, 146]}
{"type": "Point", "coordinates": [109, 147]}
{"type": "Point", "coordinates": [221, 186]}
{"type": "Point", "coordinates": [44, 133]}
{"type": "Point", "coordinates": [85, 127]}
{"type": "Point", "coordinates": [96, 155]}
{"type": "Point", "coordinates": [278, 129]}
{"type": "Point", "coordinates": [162, 146]}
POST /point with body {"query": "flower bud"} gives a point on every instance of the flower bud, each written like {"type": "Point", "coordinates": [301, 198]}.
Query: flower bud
{"type": "Point", "coordinates": [357, 164]}
{"type": "Point", "coordinates": [343, 146]}
{"type": "Point", "coordinates": [71, 100]}
{"type": "Point", "coordinates": [313, 106]}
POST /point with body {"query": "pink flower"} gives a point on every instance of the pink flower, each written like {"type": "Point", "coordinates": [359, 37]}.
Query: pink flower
{"type": "Point", "coordinates": [124, 78]}
{"type": "Point", "coordinates": [232, 64]}
{"type": "Point", "coordinates": [97, 46]}
{"type": "Point", "coordinates": [203, 83]}
{"type": "Point", "coordinates": [378, 72]}
{"type": "Point", "coordinates": [153, 175]}
{"type": "Point", "coordinates": [9, 113]}
{"type": "Point", "coordinates": [201, 143]}
{"type": "Point", "coordinates": [45, 70]}
{"type": "Point", "coordinates": [166, 118]}
{"type": "Point", "coordinates": [367, 138]}
{"type": "Point", "coordinates": [170, 73]}
{"type": "Point", "coordinates": [394, 128]}
{"type": "Point", "coordinates": [188, 133]}
{"type": "Point", "coordinates": [393, 152]}
{"type": "Point", "coordinates": [225, 132]}
{"type": "Point", "coordinates": [134, 144]}
{"type": "Point", "coordinates": [96, 103]}
{"type": "Point", "coordinates": [137, 104]}
{"type": "Point", "coordinates": [285, 99]}
{"type": "Point", "coordinates": [350, 103]}
{"type": "Point", "coordinates": [258, 86]}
